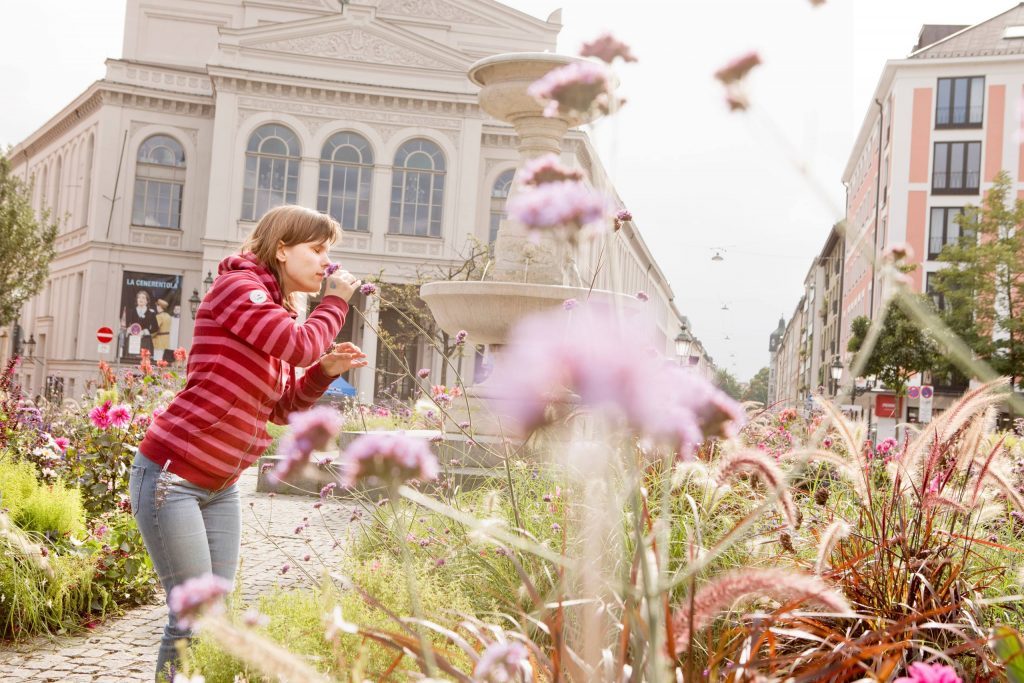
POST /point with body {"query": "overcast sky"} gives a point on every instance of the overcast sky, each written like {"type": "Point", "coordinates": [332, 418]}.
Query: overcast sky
{"type": "Point", "coordinates": [694, 176]}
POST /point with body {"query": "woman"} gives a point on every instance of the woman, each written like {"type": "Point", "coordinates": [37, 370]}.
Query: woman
{"type": "Point", "coordinates": [241, 373]}
{"type": "Point", "coordinates": [162, 337]}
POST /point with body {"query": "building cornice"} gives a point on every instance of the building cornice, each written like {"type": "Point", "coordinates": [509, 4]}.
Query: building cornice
{"type": "Point", "coordinates": [81, 107]}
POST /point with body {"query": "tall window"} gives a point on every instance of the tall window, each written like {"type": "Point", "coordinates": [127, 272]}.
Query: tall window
{"type": "Point", "coordinates": [417, 189]}
{"type": "Point", "coordinates": [86, 179]}
{"type": "Point", "coordinates": [957, 168]}
{"type": "Point", "coordinates": [271, 170]}
{"type": "Point", "coordinates": [159, 181]}
{"type": "Point", "coordinates": [346, 174]}
{"type": "Point", "coordinates": [960, 102]}
{"type": "Point", "coordinates": [943, 229]}
{"type": "Point", "coordinates": [499, 193]}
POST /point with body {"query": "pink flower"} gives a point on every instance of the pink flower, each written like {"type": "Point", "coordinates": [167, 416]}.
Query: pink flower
{"type": "Point", "coordinates": [501, 662]}
{"type": "Point", "coordinates": [100, 415]}
{"type": "Point", "coordinates": [311, 430]}
{"type": "Point", "coordinates": [62, 442]}
{"type": "Point", "coordinates": [547, 169]}
{"type": "Point", "coordinates": [331, 269]}
{"type": "Point", "coordinates": [368, 289]}
{"type": "Point", "coordinates": [392, 458]}
{"type": "Point", "coordinates": [564, 204]}
{"type": "Point", "coordinates": [189, 599]}
{"type": "Point", "coordinates": [897, 252]}
{"type": "Point", "coordinates": [180, 354]}
{"type": "Point", "coordinates": [120, 416]}
{"type": "Point", "coordinates": [423, 373]}
{"type": "Point", "coordinates": [576, 88]}
{"type": "Point", "coordinates": [642, 296]}
{"type": "Point", "coordinates": [611, 365]}
{"type": "Point", "coordinates": [569, 304]}
{"type": "Point", "coordinates": [460, 337]}
{"type": "Point", "coordinates": [607, 48]}
{"type": "Point", "coordinates": [930, 673]}
{"type": "Point", "coordinates": [624, 216]}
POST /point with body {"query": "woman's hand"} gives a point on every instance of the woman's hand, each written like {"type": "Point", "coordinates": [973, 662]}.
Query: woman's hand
{"type": "Point", "coordinates": [341, 358]}
{"type": "Point", "coordinates": [342, 283]}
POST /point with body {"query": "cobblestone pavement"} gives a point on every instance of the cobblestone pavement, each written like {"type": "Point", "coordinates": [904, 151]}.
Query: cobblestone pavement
{"type": "Point", "coordinates": [124, 648]}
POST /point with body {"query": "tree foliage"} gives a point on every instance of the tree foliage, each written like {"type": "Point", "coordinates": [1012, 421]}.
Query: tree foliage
{"type": "Point", "coordinates": [981, 291]}
{"type": "Point", "coordinates": [757, 388]}
{"type": "Point", "coordinates": [729, 384]}
{"type": "Point", "coordinates": [901, 351]}
{"type": "Point", "coordinates": [26, 242]}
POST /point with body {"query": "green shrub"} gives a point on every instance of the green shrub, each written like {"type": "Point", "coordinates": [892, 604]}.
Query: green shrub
{"type": "Point", "coordinates": [297, 621]}
{"type": "Point", "coordinates": [276, 432]}
{"type": "Point", "coordinates": [52, 509]}
{"type": "Point", "coordinates": [17, 483]}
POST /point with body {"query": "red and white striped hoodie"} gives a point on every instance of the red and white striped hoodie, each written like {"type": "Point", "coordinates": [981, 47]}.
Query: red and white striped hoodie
{"type": "Point", "coordinates": [241, 373]}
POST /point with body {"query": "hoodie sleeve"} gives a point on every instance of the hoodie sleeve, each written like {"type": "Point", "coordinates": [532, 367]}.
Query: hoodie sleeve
{"type": "Point", "coordinates": [301, 393]}
{"type": "Point", "coordinates": [241, 304]}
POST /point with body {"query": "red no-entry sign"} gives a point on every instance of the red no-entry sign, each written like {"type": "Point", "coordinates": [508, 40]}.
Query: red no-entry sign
{"type": "Point", "coordinates": [104, 335]}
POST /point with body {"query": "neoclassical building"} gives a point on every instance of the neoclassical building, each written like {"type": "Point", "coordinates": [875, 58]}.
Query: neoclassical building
{"type": "Point", "coordinates": [220, 109]}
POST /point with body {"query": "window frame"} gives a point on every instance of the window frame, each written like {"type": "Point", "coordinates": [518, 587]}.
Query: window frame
{"type": "Point", "coordinates": [292, 161]}
{"type": "Point", "coordinates": [326, 199]}
{"type": "Point", "coordinates": [152, 177]}
{"type": "Point", "coordinates": [948, 167]}
{"type": "Point", "coordinates": [947, 212]}
{"type": "Point", "coordinates": [400, 186]}
{"type": "Point", "coordinates": [951, 98]}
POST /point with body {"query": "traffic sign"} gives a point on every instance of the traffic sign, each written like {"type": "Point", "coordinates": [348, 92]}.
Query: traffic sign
{"type": "Point", "coordinates": [914, 392]}
{"type": "Point", "coordinates": [925, 410]}
{"type": "Point", "coordinates": [927, 391]}
{"type": "Point", "coordinates": [104, 335]}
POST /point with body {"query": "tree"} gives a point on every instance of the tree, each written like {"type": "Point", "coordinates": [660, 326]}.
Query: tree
{"type": "Point", "coordinates": [757, 388]}
{"type": "Point", "coordinates": [729, 384]}
{"type": "Point", "coordinates": [26, 241]}
{"type": "Point", "coordinates": [981, 291]}
{"type": "Point", "coordinates": [901, 351]}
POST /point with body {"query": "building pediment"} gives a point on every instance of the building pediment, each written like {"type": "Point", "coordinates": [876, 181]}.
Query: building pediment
{"type": "Point", "coordinates": [437, 10]}
{"type": "Point", "coordinates": [360, 39]}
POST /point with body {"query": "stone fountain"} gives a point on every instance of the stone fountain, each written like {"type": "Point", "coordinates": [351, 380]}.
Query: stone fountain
{"type": "Point", "coordinates": [488, 309]}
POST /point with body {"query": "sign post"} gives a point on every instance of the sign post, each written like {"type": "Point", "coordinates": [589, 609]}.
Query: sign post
{"type": "Point", "coordinates": [104, 336]}
{"type": "Point", "coordinates": [925, 411]}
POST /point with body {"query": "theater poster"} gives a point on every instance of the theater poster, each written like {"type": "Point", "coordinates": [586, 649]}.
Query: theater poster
{"type": "Point", "coordinates": [150, 315]}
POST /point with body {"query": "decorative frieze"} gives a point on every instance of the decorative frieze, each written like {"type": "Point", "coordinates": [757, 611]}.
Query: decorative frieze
{"type": "Point", "coordinates": [356, 45]}
{"type": "Point", "coordinates": [158, 103]}
{"type": "Point", "coordinates": [193, 84]}
{"type": "Point", "coordinates": [164, 239]}
{"type": "Point", "coordinates": [355, 241]}
{"type": "Point", "coordinates": [431, 9]}
{"type": "Point", "coordinates": [248, 106]}
{"type": "Point", "coordinates": [412, 246]}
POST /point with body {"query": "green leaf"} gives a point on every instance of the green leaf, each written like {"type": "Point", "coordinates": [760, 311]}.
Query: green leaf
{"type": "Point", "coordinates": [1007, 645]}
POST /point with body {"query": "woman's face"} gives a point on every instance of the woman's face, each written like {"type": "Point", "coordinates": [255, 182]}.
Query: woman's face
{"type": "Point", "coordinates": [141, 299]}
{"type": "Point", "coordinates": [302, 266]}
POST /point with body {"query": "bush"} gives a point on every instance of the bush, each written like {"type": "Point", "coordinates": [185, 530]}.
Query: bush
{"type": "Point", "coordinates": [17, 484]}
{"type": "Point", "coordinates": [53, 509]}
{"type": "Point", "coordinates": [298, 621]}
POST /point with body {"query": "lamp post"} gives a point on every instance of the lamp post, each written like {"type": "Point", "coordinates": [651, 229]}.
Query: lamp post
{"type": "Point", "coordinates": [193, 302]}
{"type": "Point", "coordinates": [207, 282]}
{"type": "Point", "coordinates": [837, 374]}
{"type": "Point", "coordinates": [684, 345]}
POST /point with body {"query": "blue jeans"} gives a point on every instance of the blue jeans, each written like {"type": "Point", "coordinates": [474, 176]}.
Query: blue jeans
{"type": "Point", "coordinates": [189, 531]}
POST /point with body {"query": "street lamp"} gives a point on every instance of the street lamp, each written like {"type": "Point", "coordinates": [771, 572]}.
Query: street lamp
{"type": "Point", "coordinates": [30, 346]}
{"type": "Point", "coordinates": [837, 374]}
{"type": "Point", "coordinates": [194, 302]}
{"type": "Point", "coordinates": [684, 345]}
{"type": "Point", "coordinates": [207, 282]}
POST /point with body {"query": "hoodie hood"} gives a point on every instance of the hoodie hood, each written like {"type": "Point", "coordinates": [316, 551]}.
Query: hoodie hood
{"type": "Point", "coordinates": [248, 261]}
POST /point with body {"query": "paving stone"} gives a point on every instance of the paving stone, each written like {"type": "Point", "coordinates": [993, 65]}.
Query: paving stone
{"type": "Point", "coordinates": [129, 643]}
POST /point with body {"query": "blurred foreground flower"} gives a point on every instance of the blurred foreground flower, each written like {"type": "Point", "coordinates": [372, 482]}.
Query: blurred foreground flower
{"type": "Point", "coordinates": [930, 673]}
{"type": "Point", "coordinates": [581, 88]}
{"type": "Point", "coordinates": [311, 430]}
{"type": "Point", "coordinates": [566, 205]}
{"type": "Point", "coordinates": [388, 458]}
{"type": "Point", "coordinates": [732, 75]}
{"type": "Point", "coordinates": [204, 593]}
{"type": "Point", "coordinates": [606, 48]}
{"type": "Point", "coordinates": [503, 662]}
{"type": "Point", "coordinates": [547, 169]}
{"type": "Point", "coordinates": [610, 364]}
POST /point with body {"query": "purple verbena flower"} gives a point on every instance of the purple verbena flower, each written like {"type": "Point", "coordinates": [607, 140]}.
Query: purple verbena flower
{"type": "Point", "coordinates": [187, 600]}
{"type": "Point", "coordinates": [642, 296]}
{"type": "Point", "coordinates": [569, 304]}
{"type": "Point", "coordinates": [311, 430]}
{"type": "Point", "coordinates": [423, 373]}
{"type": "Point", "coordinates": [392, 458]}
{"type": "Point", "coordinates": [368, 289]}
{"type": "Point", "coordinates": [606, 48]}
{"type": "Point", "coordinates": [460, 337]}
{"type": "Point", "coordinates": [547, 169]}
{"type": "Point", "coordinates": [331, 269]}
{"type": "Point", "coordinates": [576, 88]}
{"type": "Point", "coordinates": [567, 205]}
{"type": "Point", "coordinates": [501, 662]}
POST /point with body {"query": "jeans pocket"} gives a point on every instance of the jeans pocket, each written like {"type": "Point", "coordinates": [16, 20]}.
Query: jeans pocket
{"type": "Point", "coordinates": [138, 476]}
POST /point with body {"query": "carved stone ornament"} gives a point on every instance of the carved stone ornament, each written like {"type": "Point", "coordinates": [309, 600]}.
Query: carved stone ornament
{"type": "Point", "coordinates": [431, 9]}
{"type": "Point", "coordinates": [355, 45]}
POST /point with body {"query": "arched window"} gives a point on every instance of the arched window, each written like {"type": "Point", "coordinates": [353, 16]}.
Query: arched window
{"type": "Point", "coordinates": [417, 189]}
{"type": "Point", "coordinates": [346, 174]}
{"type": "Point", "coordinates": [271, 170]}
{"type": "Point", "coordinates": [499, 193]}
{"type": "Point", "coordinates": [159, 183]}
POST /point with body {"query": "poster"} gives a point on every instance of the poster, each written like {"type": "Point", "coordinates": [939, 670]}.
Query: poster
{"type": "Point", "coordinates": [150, 315]}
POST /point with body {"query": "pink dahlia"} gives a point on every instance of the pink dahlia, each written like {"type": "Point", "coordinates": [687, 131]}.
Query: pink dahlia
{"type": "Point", "coordinates": [62, 442]}
{"type": "Point", "coordinates": [391, 458]}
{"type": "Point", "coordinates": [189, 599]}
{"type": "Point", "coordinates": [930, 673]}
{"type": "Point", "coordinates": [120, 416]}
{"type": "Point", "coordinates": [100, 415]}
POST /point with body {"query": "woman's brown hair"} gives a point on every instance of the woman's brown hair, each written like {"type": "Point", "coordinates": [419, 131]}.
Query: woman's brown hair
{"type": "Point", "coordinates": [289, 225]}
